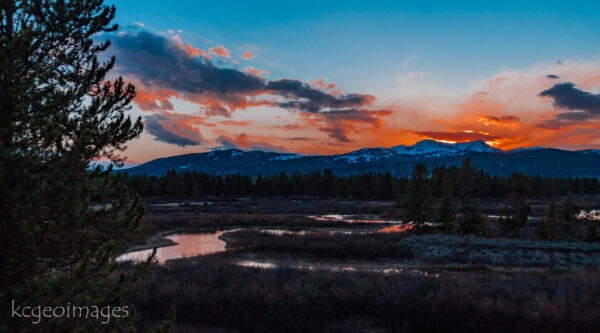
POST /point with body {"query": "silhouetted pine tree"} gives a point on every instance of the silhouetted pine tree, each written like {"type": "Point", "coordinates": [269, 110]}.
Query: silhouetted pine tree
{"type": "Point", "coordinates": [547, 227]}
{"type": "Point", "coordinates": [446, 213]}
{"type": "Point", "coordinates": [568, 215]}
{"type": "Point", "coordinates": [59, 237]}
{"type": "Point", "coordinates": [519, 211]}
{"type": "Point", "coordinates": [418, 197]}
{"type": "Point", "coordinates": [471, 219]}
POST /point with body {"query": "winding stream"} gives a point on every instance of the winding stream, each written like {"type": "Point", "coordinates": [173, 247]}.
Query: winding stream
{"type": "Point", "coordinates": [198, 244]}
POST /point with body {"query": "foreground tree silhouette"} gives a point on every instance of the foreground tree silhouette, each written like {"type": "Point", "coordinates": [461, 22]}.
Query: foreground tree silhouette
{"type": "Point", "coordinates": [517, 215]}
{"type": "Point", "coordinates": [471, 220]}
{"type": "Point", "coordinates": [446, 213]}
{"type": "Point", "coordinates": [547, 226]}
{"type": "Point", "coordinates": [418, 197]}
{"type": "Point", "coordinates": [58, 114]}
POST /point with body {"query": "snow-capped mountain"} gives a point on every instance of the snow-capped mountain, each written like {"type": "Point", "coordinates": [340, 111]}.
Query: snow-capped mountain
{"type": "Point", "coordinates": [436, 148]}
{"type": "Point", "coordinates": [425, 148]}
{"type": "Point", "coordinates": [365, 155]}
{"type": "Point", "coordinates": [398, 160]}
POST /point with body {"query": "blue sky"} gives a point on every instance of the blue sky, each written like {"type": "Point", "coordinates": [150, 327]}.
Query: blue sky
{"type": "Point", "coordinates": [366, 44]}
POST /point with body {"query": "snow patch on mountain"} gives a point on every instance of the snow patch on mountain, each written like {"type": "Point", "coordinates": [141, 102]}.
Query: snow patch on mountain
{"type": "Point", "coordinates": [285, 157]}
{"type": "Point", "coordinates": [365, 155]}
{"type": "Point", "coordinates": [425, 148]}
{"type": "Point", "coordinates": [516, 150]}
{"type": "Point", "coordinates": [436, 149]}
{"type": "Point", "coordinates": [590, 151]}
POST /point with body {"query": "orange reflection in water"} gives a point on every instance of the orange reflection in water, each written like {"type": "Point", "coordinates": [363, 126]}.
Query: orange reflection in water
{"type": "Point", "coordinates": [347, 219]}
{"type": "Point", "coordinates": [397, 228]}
{"type": "Point", "coordinates": [188, 245]}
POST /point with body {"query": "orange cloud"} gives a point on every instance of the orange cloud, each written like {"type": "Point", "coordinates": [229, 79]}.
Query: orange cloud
{"type": "Point", "coordinates": [155, 100]}
{"type": "Point", "coordinates": [488, 120]}
{"type": "Point", "coordinates": [254, 71]}
{"type": "Point", "coordinates": [234, 123]}
{"type": "Point", "coordinates": [321, 83]}
{"type": "Point", "coordinates": [247, 142]}
{"type": "Point", "coordinates": [464, 136]}
{"type": "Point", "coordinates": [220, 51]}
{"type": "Point", "coordinates": [213, 104]}
{"type": "Point", "coordinates": [509, 106]}
{"type": "Point", "coordinates": [173, 128]}
{"type": "Point", "coordinates": [248, 55]}
{"type": "Point", "coordinates": [318, 83]}
{"type": "Point", "coordinates": [192, 50]}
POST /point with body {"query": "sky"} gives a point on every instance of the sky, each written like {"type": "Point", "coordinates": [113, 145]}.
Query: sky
{"type": "Point", "coordinates": [318, 77]}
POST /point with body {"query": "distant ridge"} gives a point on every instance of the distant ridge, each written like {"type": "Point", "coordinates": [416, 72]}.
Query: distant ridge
{"type": "Point", "coordinates": [399, 160]}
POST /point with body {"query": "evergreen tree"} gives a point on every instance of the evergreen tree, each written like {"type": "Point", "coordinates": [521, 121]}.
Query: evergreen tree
{"type": "Point", "coordinates": [519, 212]}
{"type": "Point", "coordinates": [546, 228]}
{"type": "Point", "coordinates": [568, 215]}
{"type": "Point", "coordinates": [418, 197]}
{"type": "Point", "coordinates": [384, 186]}
{"type": "Point", "coordinates": [446, 213]}
{"type": "Point", "coordinates": [59, 237]}
{"type": "Point", "coordinates": [471, 219]}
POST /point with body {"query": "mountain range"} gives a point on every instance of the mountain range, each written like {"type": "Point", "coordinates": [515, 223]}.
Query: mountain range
{"type": "Point", "coordinates": [399, 160]}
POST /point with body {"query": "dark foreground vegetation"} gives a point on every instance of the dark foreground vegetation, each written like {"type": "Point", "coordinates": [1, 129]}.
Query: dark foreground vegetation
{"type": "Point", "coordinates": [322, 245]}
{"type": "Point", "coordinates": [225, 298]}
{"type": "Point", "coordinates": [188, 221]}
{"type": "Point", "coordinates": [406, 249]}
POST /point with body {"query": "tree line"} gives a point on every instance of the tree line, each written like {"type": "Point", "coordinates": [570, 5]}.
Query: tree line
{"type": "Point", "coordinates": [372, 186]}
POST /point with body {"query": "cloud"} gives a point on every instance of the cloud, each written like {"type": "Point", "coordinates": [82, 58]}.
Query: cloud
{"type": "Point", "coordinates": [192, 51]}
{"type": "Point", "coordinates": [149, 100]}
{"type": "Point", "coordinates": [248, 55]}
{"type": "Point", "coordinates": [156, 61]}
{"type": "Point", "coordinates": [584, 105]}
{"type": "Point", "coordinates": [305, 98]}
{"type": "Point", "coordinates": [291, 127]}
{"type": "Point", "coordinates": [566, 96]}
{"type": "Point", "coordinates": [339, 123]}
{"type": "Point", "coordinates": [321, 83]}
{"type": "Point", "coordinates": [168, 68]}
{"type": "Point", "coordinates": [488, 120]}
{"type": "Point", "coordinates": [174, 129]}
{"type": "Point", "coordinates": [458, 136]}
{"type": "Point", "coordinates": [244, 142]}
{"type": "Point", "coordinates": [234, 123]}
{"type": "Point", "coordinates": [226, 143]}
{"type": "Point", "coordinates": [318, 83]}
{"type": "Point", "coordinates": [220, 51]}
{"type": "Point", "coordinates": [412, 77]}
{"type": "Point", "coordinates": [254, 71]}
{"type": "Point", "coordinates": [552, 76]}
{"type": "Point", "coordinates": [139, 24]}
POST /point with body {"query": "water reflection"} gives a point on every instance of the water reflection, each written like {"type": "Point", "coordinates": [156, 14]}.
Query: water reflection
{"type": "Point", "coordinates": [188, 245]}
{"type": "Point", "coordinates": [191, 245]}
{"type": "Point", "coordinates": [333, 267]}
{"type": "Point", "coordinates": [349, 219]}
{"type": "Point", "coordinates": [397, 228]}
{"type": "Point", "coordinates": [281, 232]}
